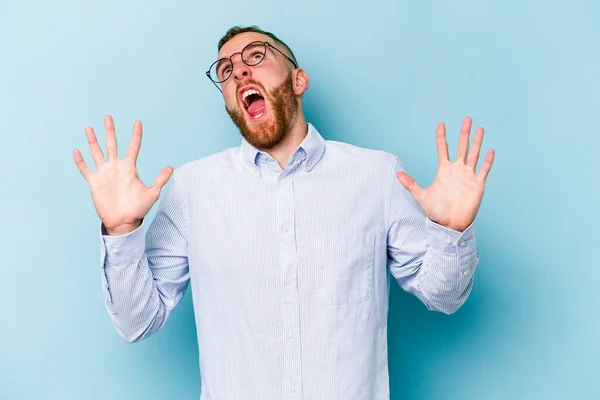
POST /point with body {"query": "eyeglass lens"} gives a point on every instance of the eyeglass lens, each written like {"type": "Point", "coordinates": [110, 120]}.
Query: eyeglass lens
{"type": "Point", "coordinates": [252, 54]}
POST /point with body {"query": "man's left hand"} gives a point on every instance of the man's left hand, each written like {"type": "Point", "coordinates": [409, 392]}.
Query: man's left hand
{"type": "Point", "coordinates": [454, 197]}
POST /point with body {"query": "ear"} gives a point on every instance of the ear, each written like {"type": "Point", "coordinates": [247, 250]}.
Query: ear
{"type": "Point", "coordinates": [300, 81]}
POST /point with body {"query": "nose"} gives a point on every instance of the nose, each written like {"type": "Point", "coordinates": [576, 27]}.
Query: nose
{"type": "Point", "coordinates": [240, 70]}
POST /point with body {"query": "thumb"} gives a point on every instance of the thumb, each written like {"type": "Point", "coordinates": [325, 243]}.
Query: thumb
{"type": "Point", "coordinates": [409, 183]}
{"type": "Point", "coordinates": [162, 178]}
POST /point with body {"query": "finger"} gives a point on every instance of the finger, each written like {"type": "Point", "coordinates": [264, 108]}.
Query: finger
{"type": "Point", "coordinates": [136, 142]}
{"type": "Point", "coordinates": [97, 154]}
{"type": "Point", "coordinates": [111, 139]}
{"type": "Point", "coordinates": [475, 149]}
{"type": "Point", "coordinates": [442, 145]}
{"type": "Point", "coordinates": [162, 178]}
{"type": "Point", "coordinates": [487, 165]}
{"type": "Point", "coordinates": [81, 165]}
{"type": "Point", "coordinates": [463, 141]}
{"type": "Point", "coordinates": [409, 183]}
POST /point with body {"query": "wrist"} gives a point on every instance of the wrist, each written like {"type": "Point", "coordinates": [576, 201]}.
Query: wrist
{"type": "Point", "coordinates": [123, 229]}
{"type": "Point", "coordinates": [452, 225]}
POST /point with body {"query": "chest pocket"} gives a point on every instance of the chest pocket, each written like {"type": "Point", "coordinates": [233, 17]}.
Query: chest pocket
{"type": "Point", "coordinates": [344, 269]}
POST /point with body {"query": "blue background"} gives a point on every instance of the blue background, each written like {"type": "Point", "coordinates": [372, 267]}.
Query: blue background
{"type": "Point", "coordinates": [383, 74]}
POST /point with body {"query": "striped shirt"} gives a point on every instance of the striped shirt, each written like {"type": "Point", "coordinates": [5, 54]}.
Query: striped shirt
{"type": "Point", "coordinates": [289, 269]}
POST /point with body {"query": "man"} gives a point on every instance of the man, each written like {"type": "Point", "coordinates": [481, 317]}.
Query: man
{"type": "Point", "coordinates": [287, 240]}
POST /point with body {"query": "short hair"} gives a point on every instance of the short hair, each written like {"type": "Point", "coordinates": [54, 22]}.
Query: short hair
{"type": "Point", "coordinates": [236, 30]}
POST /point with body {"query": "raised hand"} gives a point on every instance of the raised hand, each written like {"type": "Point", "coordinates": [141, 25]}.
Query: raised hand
{"type": "Point", "coordinates": [120, 198]}
{"type": "Point", "coordinates": [454, 197]}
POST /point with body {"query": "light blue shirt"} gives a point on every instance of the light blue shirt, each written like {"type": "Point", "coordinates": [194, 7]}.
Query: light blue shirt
{"type": "Point", "coordinates": [289, 269]}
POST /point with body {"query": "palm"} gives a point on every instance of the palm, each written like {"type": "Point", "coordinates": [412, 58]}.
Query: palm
{"type": "Point", "coordinates": [455, 195]}
{"type": "Point", "coordinates": [118, 193]}
{"type": "Point", "coordinates": [119, 196]}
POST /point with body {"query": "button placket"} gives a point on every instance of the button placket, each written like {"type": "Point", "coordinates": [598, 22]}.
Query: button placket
{"type": "Point", "coordinates": [290, 301]}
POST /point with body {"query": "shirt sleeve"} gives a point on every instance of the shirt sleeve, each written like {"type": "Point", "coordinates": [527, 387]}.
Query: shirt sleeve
{"type": "Point", "coordinates": [434, 263]}
{"type": "Point", "coordinates": [145, 276]}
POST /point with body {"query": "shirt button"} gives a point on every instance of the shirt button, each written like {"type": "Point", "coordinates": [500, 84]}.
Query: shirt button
{"type": "Point", "coordinates": [309, 163]}
{"type": "Point", "coordinates": [285, 229]}
{"type": "Point", "coordinates": [464, 273]}
{"type": "Point", "coordinates": [115, 251]}
{"type": "Point", "coordinates": [293, 388]}
{"type": "Point", "coordinates": [288, 282]}
{"type": "Point", "coordinates": [290, 335]}
{"type": "Point", "coordinates": [463, 243]}
{"type": "Point", "coordinates": [448, 241]}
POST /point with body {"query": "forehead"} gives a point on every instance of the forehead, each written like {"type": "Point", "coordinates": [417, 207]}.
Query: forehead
{"type": "Point", "coordinates": [238, 42]}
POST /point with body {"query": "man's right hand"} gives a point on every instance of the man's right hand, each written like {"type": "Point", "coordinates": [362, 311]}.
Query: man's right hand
{"type": "Point", "coordinates": [121, 199]}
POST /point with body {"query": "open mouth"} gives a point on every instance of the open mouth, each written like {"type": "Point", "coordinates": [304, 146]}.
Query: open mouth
{"type": "Point", "coordinates": [253, 102]}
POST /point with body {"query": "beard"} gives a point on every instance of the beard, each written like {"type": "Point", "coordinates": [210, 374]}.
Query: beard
{"type": "Point", "coordinates": [271, 132]}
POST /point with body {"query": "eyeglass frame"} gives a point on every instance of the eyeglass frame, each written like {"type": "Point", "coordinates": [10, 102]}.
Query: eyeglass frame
{"type": "Point", "coordinates": [244, 61]}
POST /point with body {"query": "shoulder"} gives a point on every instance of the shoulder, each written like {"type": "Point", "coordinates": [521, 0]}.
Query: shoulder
{"type": "Point", "coordinates": [208, 165]}
{"type": "Point", "coordinates": [367, 158]}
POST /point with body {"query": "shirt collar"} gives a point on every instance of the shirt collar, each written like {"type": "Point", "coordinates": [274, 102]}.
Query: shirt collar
{"type": "Point", "coordinates": [313, 145]}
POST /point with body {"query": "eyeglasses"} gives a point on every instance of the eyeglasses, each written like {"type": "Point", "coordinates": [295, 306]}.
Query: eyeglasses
{"type": "Point", "coordinates": [251, 55]}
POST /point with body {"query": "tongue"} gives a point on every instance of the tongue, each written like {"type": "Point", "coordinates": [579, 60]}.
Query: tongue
{"type": "Point", "coordinates": [257, 107]}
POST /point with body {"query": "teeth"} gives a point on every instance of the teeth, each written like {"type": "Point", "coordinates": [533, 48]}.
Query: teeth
{"type": "Point", "coordinates": [258, 116]}
{"type": "Point", "coordinates": [248, 93]}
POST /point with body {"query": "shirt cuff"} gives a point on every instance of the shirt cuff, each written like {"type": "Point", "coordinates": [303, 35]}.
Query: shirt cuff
{"type": "Point", "coordinates": [449, 240]}
{"type": "Point", "coordinates": [123, 249]}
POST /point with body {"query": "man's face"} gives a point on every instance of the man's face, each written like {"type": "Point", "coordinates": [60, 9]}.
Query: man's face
{"type": "Point", "coordinates": [260, 99]}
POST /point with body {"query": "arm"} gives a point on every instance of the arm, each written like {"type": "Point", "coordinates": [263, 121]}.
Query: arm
{"type": "Point", "coordinates": [434, 263]}
{"type": "Point", "coordinates": [144, 278]}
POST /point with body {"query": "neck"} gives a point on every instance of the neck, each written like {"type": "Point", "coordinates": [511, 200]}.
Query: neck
{"type": "Point", "coordinates": [284, 150]}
